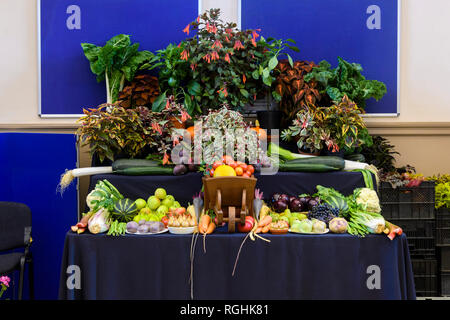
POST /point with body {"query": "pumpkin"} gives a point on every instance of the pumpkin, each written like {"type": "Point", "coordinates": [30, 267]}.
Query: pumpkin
{"type": "Point", "coordinates": [261, 133]}
{"type": "Point", "coordinates": [191, 131]}
{"type": "Point", "coordinates": [124, 210]}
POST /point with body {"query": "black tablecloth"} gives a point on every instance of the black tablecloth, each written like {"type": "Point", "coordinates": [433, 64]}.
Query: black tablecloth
{"type": "Point", "coordinates": [185, 186]}
{"type": "Point", "coordinates": [292, 266]}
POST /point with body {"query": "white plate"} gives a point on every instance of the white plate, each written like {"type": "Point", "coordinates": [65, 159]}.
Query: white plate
{"type": "Point", "coordinates": [147, 233]}
{"type": "Point", "coordinates": [182, 230]}
{"type": "Point", "coordinates": [326, 231]}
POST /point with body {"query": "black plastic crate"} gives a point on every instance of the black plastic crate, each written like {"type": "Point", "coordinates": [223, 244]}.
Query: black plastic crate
{"type": "Point", "coordinates": [407, 203]}
{"type": "Point", "coordinates": [443, 227]}
{"type": "Point", "coordinates": [445, 284]}
{"type": "Point", "coordinates": [426, 286]}
{"type": "Point", "coordinates": [414, 228]}
{"type": "Point", "coordinates": [424, 267]}
{"type": "Point", "coordinates": [444, 258]}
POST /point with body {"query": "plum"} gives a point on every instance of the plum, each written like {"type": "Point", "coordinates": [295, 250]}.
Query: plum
{"type": "Point", "coordinates": [296, 205]}
{"type": "Point", "coordinates": [280, 205]}
{"type": "Point", "coordinates": [156, 227]}
{"type": "Point", "coordinates": [132, 226]}
{"type": "Point", "coordinates": [284, 197]}
{"type": "Point", "coordinates": [143, 228]}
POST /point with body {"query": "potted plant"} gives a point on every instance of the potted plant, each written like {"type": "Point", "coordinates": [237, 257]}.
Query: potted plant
{"type": "Point", "coordinates": [308, 131]}
{"type": "Point", "coordinates": [291, 91]}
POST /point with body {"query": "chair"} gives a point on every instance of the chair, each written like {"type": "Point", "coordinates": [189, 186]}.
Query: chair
{"type": "Point", "coordinates": [15, 233]}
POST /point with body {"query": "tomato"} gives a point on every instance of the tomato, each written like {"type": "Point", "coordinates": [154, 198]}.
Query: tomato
{"type": "Point", "coordinates": [165, 220]}
{"type": "Point", "coordinates": [216, 164]}
{"type": "Point", "coordinates": [233, 165]}
{"type": "Point", "coordinates": [250, 168]}
{"type": "Point", "coordinates": [239, 171]}
{"type": "Point", "coordinates": [227, 159]}
{"type": "Point", "coordinates": [246, 175]}
{"type": "Point", "coordinates": [211, 172]}
{"type": "Point", "coordinates": [242, 165]}
{"type": "Point", "coordinates": [249, 173]}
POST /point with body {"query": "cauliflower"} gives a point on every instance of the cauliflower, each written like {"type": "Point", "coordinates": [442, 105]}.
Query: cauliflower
{"type": "Point", "coordinates": [368, 200]}
{"type": "Point", "coordinates": [93, 198]}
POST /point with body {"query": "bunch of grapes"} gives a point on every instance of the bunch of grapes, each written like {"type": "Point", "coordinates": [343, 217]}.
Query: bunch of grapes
{"type": "Point", "coordinates": [324, 212]}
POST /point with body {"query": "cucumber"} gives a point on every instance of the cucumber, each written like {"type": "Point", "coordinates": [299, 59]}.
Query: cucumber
{"type": "Point", "coordinates": [133, 163]}
{"type": "Point", "coordinates": [356, 157]}
{"type": "Point", "coordinates": [315, 164]}
{"type": "Point", "coordinates": [143, 171]}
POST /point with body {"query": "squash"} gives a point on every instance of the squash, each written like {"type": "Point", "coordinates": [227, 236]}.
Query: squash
{"type": "Point", "coordinates": [261, 133]}
{"type": "Point", "coordinates": [313, 164]}
{"type": "Point", "coordinates": [124, 210]}
{"type": "Point", "coordinates": [191, 131]}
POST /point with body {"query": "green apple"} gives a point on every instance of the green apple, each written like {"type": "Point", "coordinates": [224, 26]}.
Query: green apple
{"type": "Point", "coordinates": [176, 204]}
{"type": "Point", "coordinates": [153, 202]}
{"type": "Point", "coordinates": [162, 210]}
{"type": "Point", "coordinates": [137, 218]}
{"type": "Point", "coordinates": [160, 193]}
{"type": "Point", "coordinates": [144, 211]}
{"type": "Point", "coordinates": [168, 202]}
{"type": "Point", "coordinates": [140, 203]}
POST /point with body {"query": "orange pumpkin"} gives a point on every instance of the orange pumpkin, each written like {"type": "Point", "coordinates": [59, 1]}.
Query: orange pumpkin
{"type": "Point", "coordinates": [191, 131]}
{"type": "Point", "coordinates": [261, 133]}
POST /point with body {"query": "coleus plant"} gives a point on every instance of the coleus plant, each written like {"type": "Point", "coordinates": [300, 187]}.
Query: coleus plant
{"type": "Point", "coordinates": [345, 79]}
{"type": "Point", "coordinates": [290, 89]}
{"type": "Point", "coordinates": [130, 132]}
{"type": "Point", "coordinates": [142, 91]}
{"type": "Point", "coordinates": [228, 66]}
{"type": "Point", "coordinates": [118, 60]}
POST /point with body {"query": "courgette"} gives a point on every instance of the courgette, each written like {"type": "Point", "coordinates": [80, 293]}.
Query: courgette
{"type": "Point", "coordinates": [356, 157]}
{"type": "Point", "coordinates": [133, 163]}
{"type": "Point", "coordinates": [143, 171]}
{"type": "Point", "coordinates": [314, 164]}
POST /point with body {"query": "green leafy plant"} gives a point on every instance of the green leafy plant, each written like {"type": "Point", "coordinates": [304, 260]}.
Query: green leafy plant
{"type": "Point", "coordinates": [117, 61]}
{"type": "Point", "coordinates": [337, 127]}
{"type": "Point", "coordinates": [381, 154]}
{"type": "Point", "coordinates": [228, 66]}
{"type": "Point", "coordinates": [290, 89]}
{"type": "Point", "coordinates": [442, 195]}
{"type": "Point", "coordinates": [308, 130]}
{"type": "Point", "coordinates": [346, 79]}
{"type": "Point", "coordinates": [110, 130]}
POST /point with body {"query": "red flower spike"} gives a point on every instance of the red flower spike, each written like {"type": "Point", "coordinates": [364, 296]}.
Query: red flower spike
{"type": "Point", "coordinates": [253, 42]}
{"type": "Point", "coordinates": [184, 55]}
{"type": "Point", "coordinates": [227, 58]}
{"type": "Point", "coordinates": [165, 158]}
{"type": "Point", "coordinates": [255, 34]}
{"type": "Point", "coordinates": [238, 45]}
{"type": "Point", "coordinates": [244, 78]}
{"type": "Point", "coordinates": [186, 30]}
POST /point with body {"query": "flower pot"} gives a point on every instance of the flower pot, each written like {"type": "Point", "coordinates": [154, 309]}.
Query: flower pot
{"type": "Point", "coordinates": [308, 153]}
{"type": "Point", "coordinates": [326, 152]}
{"type": "Point", "coordinates": [269, 119]}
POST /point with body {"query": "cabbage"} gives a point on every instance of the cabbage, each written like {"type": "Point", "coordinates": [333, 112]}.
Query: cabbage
{"type": "Point", "coordinates": [99, 222]}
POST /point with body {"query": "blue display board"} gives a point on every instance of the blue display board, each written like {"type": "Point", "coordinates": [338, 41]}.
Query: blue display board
{"type": "Point", "coordinates": [362, 31]}
{"type": "Point", "coordinates": [30, 168]}
{"type": "Point", "coordinates": [66, 81]}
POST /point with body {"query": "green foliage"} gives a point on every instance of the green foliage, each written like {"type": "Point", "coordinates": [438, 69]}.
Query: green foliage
{"type": "Point", "coordinates": [442, 195]}
{"type": "Point", "coordinates": [118, 60]}
{"type": "Point", "coordinates": [380, 154]}
{"type": "Point", "coordinates": [346, 79]}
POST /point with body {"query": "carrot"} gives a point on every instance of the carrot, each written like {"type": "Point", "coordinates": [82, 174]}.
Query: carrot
{"type": "Point", "coordinates": [265, 229]}
{"type": "Point", "coordinates": [84, 220]}
{"type": "Point", "coordinates": [211, 228]}
{"type": "Point", "coordinates": [265, 221]}
{"type": "Point", "coordinates": [204, 223]}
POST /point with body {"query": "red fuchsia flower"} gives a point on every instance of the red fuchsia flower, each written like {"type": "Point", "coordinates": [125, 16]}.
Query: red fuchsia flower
{"type": "Point", "coordinates": [186, 30]}
{"type": "Point", "coordinates": [184, 55]}
{"type": "Point", "coordinates": [227, 58]}
{"type": "Point", "coordinates": [179, 45]}
{"type": "Point", "coordinates": [224, 91]}
{"type": "Point", "coordinates": [214, 55]}
{"type": "Point", "coordinates": [185, 116]}
{"type": "Point", "coordinates": [255, 34]}
{"type": "Point", "coordinates": [165, 158]}
{"type": "Point", "coordinates": [229, 31]}
{"type": "Point", "coordinates": [244, 78]}
{"type": "Point", "coordinates": [156, 127]}
{"type": "Point", "coordinates": [226, 38]}
{"type": "Point", "coordinates": [253, 42]}
{"type": "Point", "coordinates": [193, 66]}
{"type": "Point", "coordinates": [207, 58]}
{"type": "Point", "coordinates": [217, 44]}
{"type": "Point", "coordinates": [238, 45]}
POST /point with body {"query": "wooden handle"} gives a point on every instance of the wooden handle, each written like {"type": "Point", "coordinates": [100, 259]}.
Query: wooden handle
{"type": "Point", "coordinates": [218, 207]}
{"type": "Point", "coordinates": [244, 206]}
{"type": "Point", "coordinates": [231, 219]}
